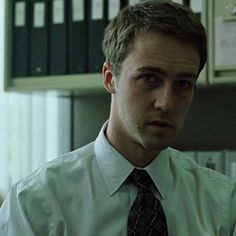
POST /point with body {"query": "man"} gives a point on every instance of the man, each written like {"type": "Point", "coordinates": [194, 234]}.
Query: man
{"type": "Point", "coordinates": [128, 182]}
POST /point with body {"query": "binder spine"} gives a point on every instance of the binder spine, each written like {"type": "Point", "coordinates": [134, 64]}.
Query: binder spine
{"type": "Point", "coordinates": [96, 26]}
{"type": "Point", "coordinates": [78, 36]}
{"type": "Point", "coordinates": [20, 38]}
{"type": "Point", "coordinates": [39, 38]}
{"type": "Point", "coordinates": [58, 37]}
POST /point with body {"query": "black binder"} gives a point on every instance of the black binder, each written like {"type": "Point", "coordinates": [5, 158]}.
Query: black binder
{"type": "Point", "coordinates": [38, 37]}
{"type": "Point", "coordinates": [77, 36]}
{"type": "Point", "coordinates": [58, 37]}
{"type": "Point", "coordinates": [20, 38]}
{"type": "Point", "coordinates": [96, 26]}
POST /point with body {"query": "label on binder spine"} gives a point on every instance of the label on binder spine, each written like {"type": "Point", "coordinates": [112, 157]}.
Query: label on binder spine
{"type": "Point", "coordinates": [133, 2]}
{"type": "Point", "coordinates": [97, 9]}
{"type": "Point", "coordinates": [20, 14]}
{"type": "Point", "coordinates": [196, 6]}
{"type": "Point", "coordinates": [179, 1]}
{"type": "Point", "coordinates": [114, 8]}
{"type": "Point", "coordinates": [78, 10]}
{"type": "Point", "coordinates": [58, 12]}
{"type": "Point", "coordinates": [39, 15]}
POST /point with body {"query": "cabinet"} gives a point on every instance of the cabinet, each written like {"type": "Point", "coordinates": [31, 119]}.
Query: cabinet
{"type": "Point", "coordinates": [222, 43]}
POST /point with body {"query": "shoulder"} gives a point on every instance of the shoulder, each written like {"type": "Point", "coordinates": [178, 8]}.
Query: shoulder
{"type": "Point", "coordinates": [58, 170]}
{"type": "Point", "coordinates": [202, 183]}
{"type": "Point", "coordinates": [188, 168]}
{"type": "Point", "coordinates": [42, 196]}
{"type": "Point", "coordinates": [206, 188]}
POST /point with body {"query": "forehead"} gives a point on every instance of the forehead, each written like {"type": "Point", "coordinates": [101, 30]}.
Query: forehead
{"type": "Point", "coordinates": [159, 50]}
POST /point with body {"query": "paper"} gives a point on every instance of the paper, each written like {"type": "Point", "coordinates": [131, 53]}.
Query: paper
{"type": "Point", "coordinates": [225, 42]}
{"type": "Point", "coordinates": [114, 8]}
{"type": "Point", "coordinates": [58, 12]}
{"type": "Point", "coordinates": [196, 6]}
{"type": "Point", "coordinates": [39, 15]}
{"type": "Point", "coordinates": [78, 10]}
{"type": "Point", "coordinates": [20, 14]}
{"type": "Point", "coordinates": [97, 9]}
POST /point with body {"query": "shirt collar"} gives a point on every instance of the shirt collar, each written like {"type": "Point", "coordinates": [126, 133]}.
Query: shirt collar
{"type": "Point", "coordinates": [159, 170]}
{"type": "Point", "coordinates": [115, 168]}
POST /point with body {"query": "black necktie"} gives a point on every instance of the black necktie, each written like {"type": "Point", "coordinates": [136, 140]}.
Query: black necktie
{"type": "Point", "coordinates": [146, 216]}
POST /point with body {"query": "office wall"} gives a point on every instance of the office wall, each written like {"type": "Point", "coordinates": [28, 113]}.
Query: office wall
{"type": "Point", "coordinates": [211, 124]}
{"type": "Point", "coordinates": [89, 114]}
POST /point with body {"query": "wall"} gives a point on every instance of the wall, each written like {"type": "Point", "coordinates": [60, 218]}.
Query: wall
{"type": "Point", "coordinates": [89, 114]}
{"type": "Point", "coordinates": [211, 124]}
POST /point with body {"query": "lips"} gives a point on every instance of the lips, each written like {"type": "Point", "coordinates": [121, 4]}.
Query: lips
{"type": "Point", "coordinates": [160, 124]}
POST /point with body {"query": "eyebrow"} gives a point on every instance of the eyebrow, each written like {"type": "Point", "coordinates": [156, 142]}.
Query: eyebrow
{"type": "Point", "coordinates": [163, 72]}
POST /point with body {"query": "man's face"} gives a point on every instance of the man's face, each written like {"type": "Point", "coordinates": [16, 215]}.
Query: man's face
{"type": "Point", "coordinates": [154, 90]}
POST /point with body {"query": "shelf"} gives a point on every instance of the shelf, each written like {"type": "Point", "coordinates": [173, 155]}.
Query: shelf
{"type": "Point", "coordinates": [82, 83]}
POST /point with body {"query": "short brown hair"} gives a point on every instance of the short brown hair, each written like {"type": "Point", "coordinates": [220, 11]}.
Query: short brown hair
{"type": "Point", "coordinates": [165, 17]}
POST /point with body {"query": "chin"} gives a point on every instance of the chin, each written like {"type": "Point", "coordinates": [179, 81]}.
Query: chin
{"type": "Point", "coordinates": [156, 146]}
{"type": "Point", "coordinates": [157, 142]}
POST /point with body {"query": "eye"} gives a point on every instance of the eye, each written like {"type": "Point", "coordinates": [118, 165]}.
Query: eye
{"type": "Point", "coordinates": [150, 80]}
{"type": "Point", "coordinates": [185, 84]}
{"type": "Point", "coordinates": [184, 87]}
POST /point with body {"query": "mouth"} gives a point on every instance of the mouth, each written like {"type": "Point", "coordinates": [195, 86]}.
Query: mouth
{"type": "Point", "coordinates": [160, 124]}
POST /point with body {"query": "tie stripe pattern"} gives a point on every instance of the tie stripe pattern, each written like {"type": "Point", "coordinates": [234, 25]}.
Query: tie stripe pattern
{"type": "Point", "coordinates": [146, 216]}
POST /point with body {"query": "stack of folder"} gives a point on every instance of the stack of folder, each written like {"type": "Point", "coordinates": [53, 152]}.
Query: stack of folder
{"type": "Point", "coordinates": [54, 37]}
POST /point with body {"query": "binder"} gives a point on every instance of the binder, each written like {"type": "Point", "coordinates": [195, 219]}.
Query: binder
{"type": "Point", "coordinates": [57, 37]}
{"type": "Point", "coordinates": [78, 36]}
{"type": "Point", "coordinates": [96, 25]}
{"type": "Point", "coordinates": [20, 38]}
{"type": "Point", "coordinates": [38, 37]}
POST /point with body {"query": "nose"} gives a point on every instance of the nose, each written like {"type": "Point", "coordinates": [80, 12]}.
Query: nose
{"type": "Point", "coordinates": [164, 99]}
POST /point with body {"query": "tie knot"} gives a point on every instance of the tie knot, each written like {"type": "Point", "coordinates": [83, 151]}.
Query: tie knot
{"type": "Point", "coordinates": [141, 180]}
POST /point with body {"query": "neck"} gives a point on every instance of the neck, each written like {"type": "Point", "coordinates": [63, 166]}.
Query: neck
{"type": "Point", "coordinates": [134, 152]}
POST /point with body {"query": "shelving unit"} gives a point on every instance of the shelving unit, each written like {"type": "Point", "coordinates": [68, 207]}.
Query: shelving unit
{"type": "Point", "coordinates": [211, 75]}
{"type": "Point", "coordinates": [79, 83]}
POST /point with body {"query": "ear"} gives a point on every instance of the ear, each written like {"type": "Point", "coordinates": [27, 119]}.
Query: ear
{"type": "Point", "coordinates": [108, 78]}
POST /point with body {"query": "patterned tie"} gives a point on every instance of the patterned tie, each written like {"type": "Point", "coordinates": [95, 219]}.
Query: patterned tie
{"type": "Point", "coordinates": [146, 216]}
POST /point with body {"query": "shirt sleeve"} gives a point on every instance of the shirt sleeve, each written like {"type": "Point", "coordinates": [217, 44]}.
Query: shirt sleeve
{"type": "Point", "coordinates": [13, 221]}
{"type": "Point", "coordinates": [28, 211]}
